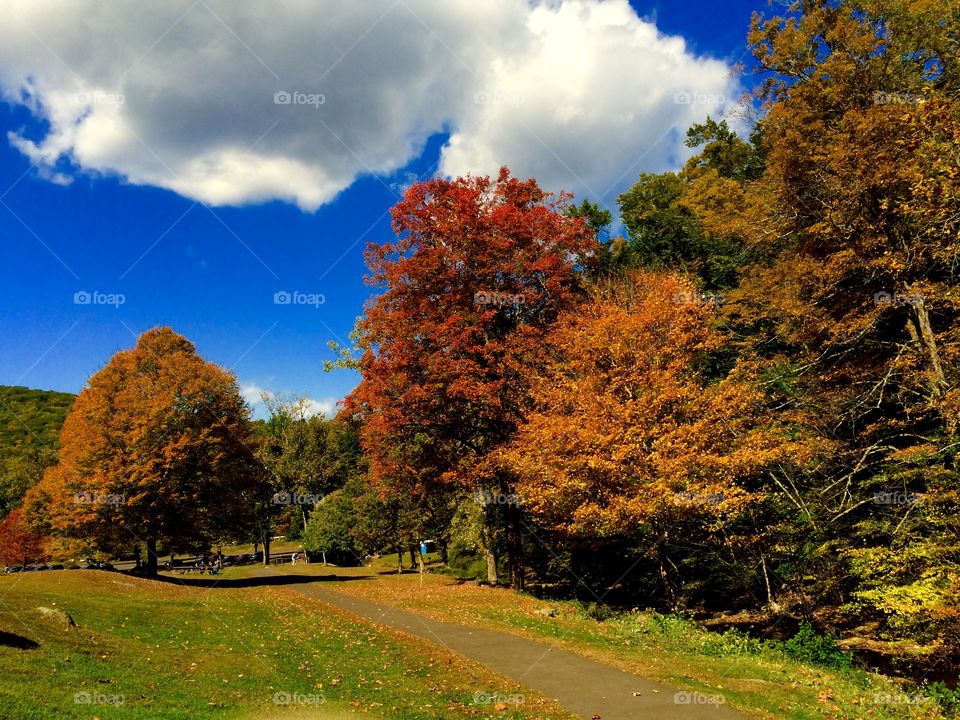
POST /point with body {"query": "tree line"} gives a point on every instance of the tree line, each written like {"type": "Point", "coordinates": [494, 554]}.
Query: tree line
{"type": "Point", "coordinates": [748, 400]}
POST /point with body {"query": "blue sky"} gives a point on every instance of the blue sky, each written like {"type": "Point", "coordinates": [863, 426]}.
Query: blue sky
{"type": "Point", "coordinates": [210, 268]}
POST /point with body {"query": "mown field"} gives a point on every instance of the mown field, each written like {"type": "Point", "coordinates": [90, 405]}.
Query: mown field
{"type": "Point", "coordinates": [157, 650]}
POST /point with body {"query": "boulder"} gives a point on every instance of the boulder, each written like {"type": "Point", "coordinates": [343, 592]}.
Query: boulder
{"type": "Point", "coordinates": [57, 614]}
{"type": "Point", "coordinates": [545, 612]}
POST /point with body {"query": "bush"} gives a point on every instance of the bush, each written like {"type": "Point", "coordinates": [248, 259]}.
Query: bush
{"type": "Point", "coordinates": [809, 647]}
{"type": "Point", "coordinates": [947, 699]}
{"type": "Point", "coordinates": [596, 611]}
{"type": "Point", "coordinates": [732, 643]}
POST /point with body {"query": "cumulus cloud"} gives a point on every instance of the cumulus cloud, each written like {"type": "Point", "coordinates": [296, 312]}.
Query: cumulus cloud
{"type": "Point", "coordinates": [253, 394]}
{"type": "Point", "coordinates": [306, 407]}
{"type": "Point", "coordinates": [234, 103]}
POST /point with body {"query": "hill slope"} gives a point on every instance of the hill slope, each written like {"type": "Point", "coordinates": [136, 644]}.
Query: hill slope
{"type": "Point", "coordinates": [30, 422]}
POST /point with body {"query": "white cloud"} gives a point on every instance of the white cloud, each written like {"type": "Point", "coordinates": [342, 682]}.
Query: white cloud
{"type": "Point", "coordinates": [307, 407]}
{"type": "Point", "coordinates": [181, 94]}
{"type": "Point", "coordinates": [253, 394]}
{"type": "Point", "coordinates": [325, 407]}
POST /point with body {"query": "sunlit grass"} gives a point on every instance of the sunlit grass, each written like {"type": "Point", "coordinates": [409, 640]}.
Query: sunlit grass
{"type": "Point", "coordinates": [760, 682]}
{"type": "Point", "coordinates": [168, 651]}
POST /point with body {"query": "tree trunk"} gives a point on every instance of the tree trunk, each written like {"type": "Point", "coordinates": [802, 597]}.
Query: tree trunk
{"type": "Point", "coordinates": [151, 570]}
{"type": "Point", "coordinates": [492, 576]}
{"type": "Point", "coordinates": [920, 316]}
{"type": "Point", "coordinates": [413, 557]}
{"type": "Point", "coordinates": [487, 540]}
{"type": "Point", "coordinates": [771, 603]}
{"type": "Point", "coordinates": [444, 556]}
{"type": "Point", "coordinates": [399, 558]}
{"type": "Point", "coordinates": [668, 593]}
{"type": "Point", "coordinates": [266, 549]}
{"type": "Point", "coordinates": [514, 547]}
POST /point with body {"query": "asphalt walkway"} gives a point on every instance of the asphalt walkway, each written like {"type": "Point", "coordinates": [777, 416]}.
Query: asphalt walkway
{"type": "Point", "coordinates": [586, 687]}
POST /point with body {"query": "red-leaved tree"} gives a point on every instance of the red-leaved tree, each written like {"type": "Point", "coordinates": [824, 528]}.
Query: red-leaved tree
{"type": "Point", "coordinates": [18, 543]}
{"type": "Point", "coordinates": [480, 269]}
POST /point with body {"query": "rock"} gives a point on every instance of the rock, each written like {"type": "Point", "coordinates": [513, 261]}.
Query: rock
{"type": "Point", "coordinates": [57, 614]}
{"type": "Point", "coordinates": [546, 612]}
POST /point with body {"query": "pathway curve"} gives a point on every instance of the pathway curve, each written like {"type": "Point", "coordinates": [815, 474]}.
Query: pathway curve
{"type": "Point", "coordinates": [581, 685]}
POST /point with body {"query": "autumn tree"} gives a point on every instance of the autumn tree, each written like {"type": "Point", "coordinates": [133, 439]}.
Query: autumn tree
{"type": "Point", "coordinates": [154, 450]}
{"type": "Point", "coordinates": [848, 308]}
{"type": "Point", "coordinates": [479, 270]}
{"type": "Point", "coordinates": [628, 439]}
{"type": "Point", "coordinates": [19, 543]}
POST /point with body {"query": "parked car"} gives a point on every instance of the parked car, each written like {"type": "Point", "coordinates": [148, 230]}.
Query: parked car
{"type": "Point", "coordinates": [13, 569]}
{"type": "Point", "coordinates": [105, 566]}
{"type": "Point", "coordinates": [55, 566]}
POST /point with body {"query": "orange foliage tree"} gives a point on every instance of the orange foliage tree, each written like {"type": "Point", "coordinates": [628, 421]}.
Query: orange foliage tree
{"type": "Point", "coordinates": [154, 450]}
{"type": "Point", "coordinates": [853, 305]}
{"type": "Point", "coordinates": [628, 439]}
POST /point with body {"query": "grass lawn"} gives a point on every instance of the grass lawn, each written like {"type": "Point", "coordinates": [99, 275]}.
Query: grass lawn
{"type": "Point", "coordinates": [149, 649]}
{"type": "Point", "coordinates": [276, 547]}
{"type": "Point", "coordinates": [763, 683]}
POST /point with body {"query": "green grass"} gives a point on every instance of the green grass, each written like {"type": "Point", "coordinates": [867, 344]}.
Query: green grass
{"type": "Point", "coordinates": [170, 651]}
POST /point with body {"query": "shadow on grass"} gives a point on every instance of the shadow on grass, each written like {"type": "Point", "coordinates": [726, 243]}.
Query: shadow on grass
{"type": "Point", "coordinates": [19, 642]}
{"type": "Point", "coordinates": [255, 581]}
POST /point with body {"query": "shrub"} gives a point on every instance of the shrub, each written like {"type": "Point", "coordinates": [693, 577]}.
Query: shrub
{"type": "Point", "coordinates": [809, 647]}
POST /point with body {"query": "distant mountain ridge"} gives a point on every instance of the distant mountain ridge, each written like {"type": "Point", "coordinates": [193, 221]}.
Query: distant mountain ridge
{"type": "Point", "coordinates": [30, 422]}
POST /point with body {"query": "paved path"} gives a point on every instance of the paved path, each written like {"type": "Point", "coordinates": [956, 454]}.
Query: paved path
{"type": "Point", "coordinates": [583, 686]}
